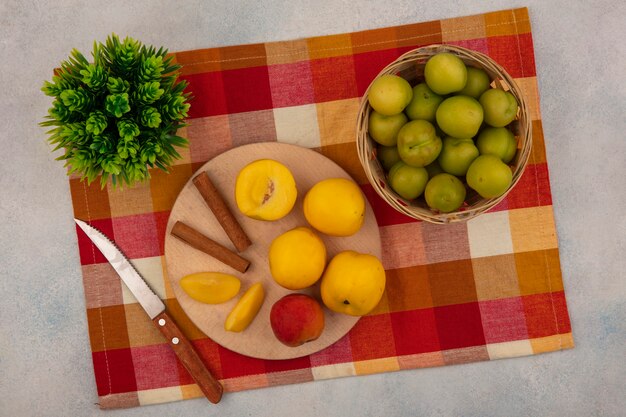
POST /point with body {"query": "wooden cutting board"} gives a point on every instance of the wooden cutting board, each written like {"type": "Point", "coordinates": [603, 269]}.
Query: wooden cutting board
{"type": "Point", "coordinates": [258, 340]}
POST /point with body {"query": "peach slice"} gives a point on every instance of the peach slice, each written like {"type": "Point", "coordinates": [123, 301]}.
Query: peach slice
{"type": "Point", "coordinates": [265, 190]}
{"type": "Point", "coordinates": [210, 287]}
{"type": "Point", "coordinates": [246, 309]}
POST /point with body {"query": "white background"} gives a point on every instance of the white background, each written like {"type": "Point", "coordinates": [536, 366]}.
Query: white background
{"type": "Point", "coordinates": [45, 362]}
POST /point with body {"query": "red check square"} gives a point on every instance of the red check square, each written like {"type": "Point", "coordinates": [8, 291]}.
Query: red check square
{"type": "Point", "coordinates": [533, 188]}
{"type": "Point", "coordinates": [247, 89]}
{"type": "Point", "coordinates": [288, 364]}
{"type": "Point", "coordinates": [333, 78]}
{"type": "Point", "coordinates": [415, 331]}
{"type": "Point", "coordinates": [514, 53]}
{"type": "Point", "coordinates": [546, 314]}
{"type": "Point", "coordinates": [503, 320]}
{"type": "Point", "coordinates": [208, 351]}
{"type": "Point", "coordinates": [543, 184]}
{"type": "Point", "coordinates": [115, 371]}
{"type": "Point", "coordinates": [459, 326]}
{"type": "Point", "coordinates": [137, 236]}
{"type": "Point", "coordinates": [235, 364]}
{"type": "Point", "coordinates": [160, 222]}
{"type": "Point", "coordinates": [292, 84]}
{"type": "Point", "coordinates": [209, 98]}
{"type": "Point", "coordinates": [367, 65]}
{"type": "Point", "coordinates": [88, 252]}
{"type": "Point", "coordinates": [560, 310]}
{"type": "Point", "coordinates": [479, 44]}
{"type": "Point", "coordinates": [385, 214]}
{"type": "Point", "coordinates": [372, 338]}
{"type": "Point", "coordinates": [156, 366]}
{"type": "Point", "coordinates": [338, 352]}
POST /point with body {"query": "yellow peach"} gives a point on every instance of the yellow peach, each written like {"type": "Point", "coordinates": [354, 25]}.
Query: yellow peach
{"type": "Point", "coordinates": [297, 258]}
{"type": "Point", "coordinates": [335, 206]}
{"type": "Point", "coordinates": [353, 283]}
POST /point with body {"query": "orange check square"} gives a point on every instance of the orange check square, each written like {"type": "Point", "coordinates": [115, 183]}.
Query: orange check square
{"type": "Point", "coordinates": [463, 28]}
{"type": "Point", "coordinates": [408, 288]}
{"type": "Point", "coordinates": [507, 22]}
{"type": "Point", "coordinates": [496, 277]}
{"type": "Point", "coordinates": [129, 201]}
{"type": "Point", "coordinates": [141, 330]}
{"type": "Point", "coordinates": [539, 271]}
{"type": "Point", "coordinates": [337, 120]}
{"type": "Point", "coordinates": [286, 52]}
{"type": "Point", "coordinates": [373, 40]}
{"type": "Point", "coordinates": [165, 187]}
{"type": "Point", "coordinates": [242, 56]}
{"type": "Point", "coordinates": [345, 155]}
{"type": "Point", "coordinates": [90, 201]}
{"type": "Point", "coordinates": [538, 151]}
{"type": "Point", "coordinates": [107, 328]}
{"type": "Point", "coordinates": [418, 34]}
{"type": "Point", "coordinates": [533, 229]}
{"type": "Point", "coordinates": [199, 61]}
{"type": "Point", "coordinates": [329, 46]}
{"type": "Point", "coordinates": [452, 282]}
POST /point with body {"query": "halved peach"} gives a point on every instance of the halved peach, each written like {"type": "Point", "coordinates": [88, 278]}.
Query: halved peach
{"type": "Point", "coordinates": [265, 190]}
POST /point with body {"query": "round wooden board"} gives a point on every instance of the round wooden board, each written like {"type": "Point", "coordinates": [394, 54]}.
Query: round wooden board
{"type": "Point", "coordinates": [258, 340]}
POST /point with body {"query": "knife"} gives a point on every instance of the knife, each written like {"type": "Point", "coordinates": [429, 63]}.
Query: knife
{"type": "Point", "coordinates": [155, 308]}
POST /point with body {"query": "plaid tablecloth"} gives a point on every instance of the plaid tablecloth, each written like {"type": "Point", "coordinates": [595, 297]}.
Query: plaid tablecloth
{"type": "Point", "coordinates": [487, 289]}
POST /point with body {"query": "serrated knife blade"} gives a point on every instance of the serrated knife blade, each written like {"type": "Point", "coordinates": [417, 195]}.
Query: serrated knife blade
{"type": "Point", "coordinates": [133, 280]}
{"type": "Point", "coordinates": [155, 308]}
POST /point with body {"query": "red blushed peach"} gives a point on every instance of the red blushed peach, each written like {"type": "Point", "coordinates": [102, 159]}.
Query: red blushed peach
{"type": "Point", "coordinates": [297, 319]}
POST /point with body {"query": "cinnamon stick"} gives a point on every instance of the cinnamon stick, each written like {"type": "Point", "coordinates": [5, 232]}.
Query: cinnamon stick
{"type": "Point", "coordinates": [197, 240]}
{"type": "Point", "coordinates": [220, 209]}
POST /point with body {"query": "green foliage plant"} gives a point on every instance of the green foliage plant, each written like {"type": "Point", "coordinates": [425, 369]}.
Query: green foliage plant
{"type": "Point", "coordinates": [117, 117]}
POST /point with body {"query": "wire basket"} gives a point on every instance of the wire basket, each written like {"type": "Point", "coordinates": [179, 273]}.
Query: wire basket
{"type": "Point", "coordinates": [410, 66]}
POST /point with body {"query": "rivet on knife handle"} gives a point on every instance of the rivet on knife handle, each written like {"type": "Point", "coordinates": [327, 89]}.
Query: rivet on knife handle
{"type": "Point", "coordinates": [210, 386]}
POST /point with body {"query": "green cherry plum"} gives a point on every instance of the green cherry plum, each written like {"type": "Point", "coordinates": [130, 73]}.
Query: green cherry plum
{"type": "Point", "coordinates": [424, 103]}
{"type": "Point", "coordinates": [387, 155]}
{"type": "Point", "coordinates": [477, 82]}
{"type": "Point", "coordinates": [444, 192]}
{"type": "Point", "coordinates": [500, 107]}
{"type": "Point", "coordinates": [457, 155]}
{"type": "Point", "coordinates": [389, 94]}
{"type": "Point", "coordinates": [460, 116]}
{"type": "Point", "coordinates": [498, 141]}
{"type": "Point", "coordinates": [384, 129]}
{"type": "Point", "coordinates": [409, 182]}
{"type": "Point", "coordinates": [418, 143]}
{"type": "Point", "coordinates": [489, 176]}
{"type": "Point", "coordinates": [445, 73]}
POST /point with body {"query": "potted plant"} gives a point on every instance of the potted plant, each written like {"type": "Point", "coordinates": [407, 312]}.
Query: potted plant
{"type": "Point", "coordinates": [117, 117]}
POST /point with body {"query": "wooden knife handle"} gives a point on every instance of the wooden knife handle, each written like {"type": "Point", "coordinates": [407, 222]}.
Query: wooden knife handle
{"type": "Point", "coordinates": [210, 386]}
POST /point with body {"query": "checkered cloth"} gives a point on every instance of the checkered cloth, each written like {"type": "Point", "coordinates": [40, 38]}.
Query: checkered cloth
{"type": "Point", "coordinates": [486, 289]}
